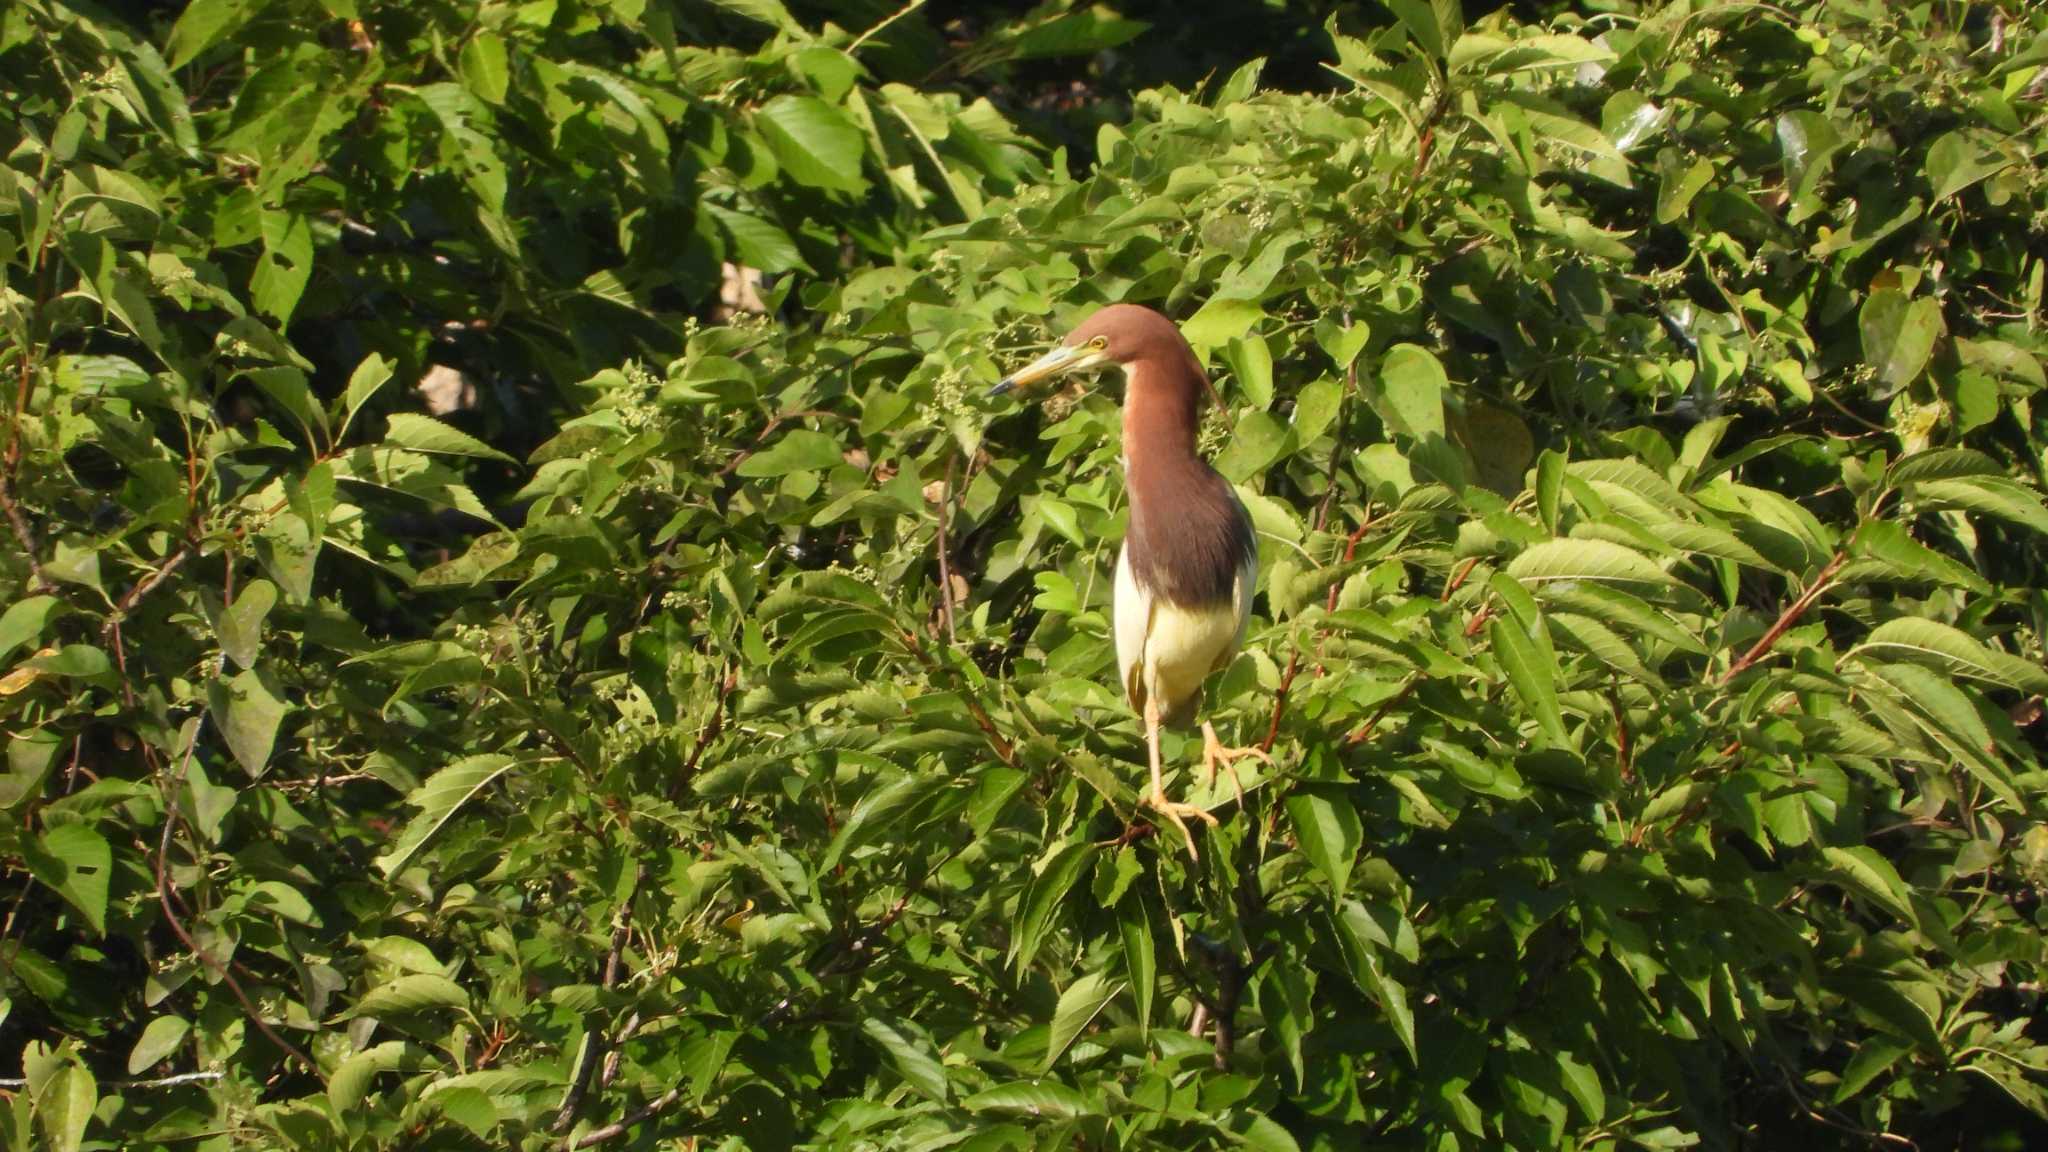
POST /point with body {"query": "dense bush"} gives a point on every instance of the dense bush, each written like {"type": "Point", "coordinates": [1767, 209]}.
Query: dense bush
{"type": "Point", "coordinates": [1636, 414]}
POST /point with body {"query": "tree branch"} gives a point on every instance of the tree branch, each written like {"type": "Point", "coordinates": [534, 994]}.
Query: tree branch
{"type": "Point", "coordinates": [144, 587]}
{"type": "Point", "coordinates": [23, 536]}
{"type": "Point", "coordinates": [1788, 617]}
{"type": "Point", "coordinates": [594, 1041]}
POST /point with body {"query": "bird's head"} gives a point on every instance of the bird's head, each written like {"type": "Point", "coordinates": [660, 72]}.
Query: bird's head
{"type": "Point", "coordinates": [1121, 334]}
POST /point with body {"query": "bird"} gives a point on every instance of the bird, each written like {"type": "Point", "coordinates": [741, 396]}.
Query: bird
{"type": "Point", "coordinates": [1190, 559]}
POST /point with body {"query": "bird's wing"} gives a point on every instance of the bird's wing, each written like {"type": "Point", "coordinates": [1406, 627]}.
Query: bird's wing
{"type": "Point", "coordinates": [1132, 616]}
{"type": "Point", "coordinates": [1241, 591]}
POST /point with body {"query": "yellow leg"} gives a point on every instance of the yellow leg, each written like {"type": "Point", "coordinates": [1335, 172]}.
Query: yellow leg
{"type": "Point", "coordinates": [1215, 755]}
{"type": "Point", "coordinates": [1157, 800]}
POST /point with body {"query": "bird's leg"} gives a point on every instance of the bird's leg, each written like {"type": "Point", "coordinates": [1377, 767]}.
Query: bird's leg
{"type": "Point", "coordinates": [1215, 755]}
{"type": "Point", "coordinates": [1157, 799]}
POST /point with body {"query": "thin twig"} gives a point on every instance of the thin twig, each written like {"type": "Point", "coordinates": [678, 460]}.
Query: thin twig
{"type": "Point", "coordinates": [164, 888]}
{"type": "Point", "coordinates": [594, 1044]}
{"type": "Point", "coordinates": [996, 742]}
{"type": "Point", "coordinates": [1788, 617]}
{"type": "Point", "coordinates": [633, 1119]}
{"type": "Point", "coordinates": [144, 587]}
{"type": "Point", "coordinates": [728, 682]}
{"type": "Point", "coordinates": [1364, 733]}
{"type": "Point", "coordinates": [946, 564]}
{"type": "Point", "coordinates": [899, 14]}
{"type": "Point", "coordinates": [23, 536]}
{"type": "Point", "coordinates": [153, 1082]}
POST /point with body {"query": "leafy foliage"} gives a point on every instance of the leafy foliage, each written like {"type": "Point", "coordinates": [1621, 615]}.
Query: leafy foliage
{"type": "Point", "coordinates": [1635, 412]}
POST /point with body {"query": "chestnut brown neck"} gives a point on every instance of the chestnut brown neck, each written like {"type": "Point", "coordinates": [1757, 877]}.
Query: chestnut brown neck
{"type": "Point", "coordinates": [1189, 537]}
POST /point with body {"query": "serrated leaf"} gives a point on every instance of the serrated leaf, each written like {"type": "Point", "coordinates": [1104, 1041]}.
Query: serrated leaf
{"type": "Point", "coordinates": [438, 800]}
{"type": "Point", "coordinates": [912, 1058]}
{"type": "Point", "coordinates": [1584, 560]}
{"type": "Point", "coordinates": [1141, 964]}
{"type": "Point", "coordinates": [1990, 495]}
{"type": "Point", "coordinates": [1078, 1005]}
{"type": "Point", "coordinates": [1328, 828]}
{"type": "Point", "coordinates": [426, 434]}
{"type": "Point", "coordinates": [1034, 1099]}
{"type": "Point", "coordinates": [1873, 876]}
{"type": "Point", "coordinates": [369, 376]}
{"type": "Point", "coordinates": [874, 813]}
{"type": "Point", "coordinates": [483, 66]}
{"type": "Point", "coordinates": [1951, 650]}
{"type": "Point", "coordinates": [1042, 898]}
{"type": "Point", "coordinates": [1532, 679]}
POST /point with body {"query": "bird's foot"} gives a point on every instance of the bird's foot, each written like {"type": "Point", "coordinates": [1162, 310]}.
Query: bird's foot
{"type": "Point", "coordinates": [1216, 756]}
{"type": "Point", "coordinates": [1175, 811]}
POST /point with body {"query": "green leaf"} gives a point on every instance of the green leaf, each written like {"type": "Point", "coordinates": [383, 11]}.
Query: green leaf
{"type": "Point", "coordinates": [1874, 1057]}
{"type": "Point", "coordinates": [247, 711]}
{"type": "Point", "coordinates": [26, 620]}
{"type": "Point", "coordinates": [1941, 464]}
{"type": "Point", "coordinates": [1599, 561]}
{"type": "Point", "coordinates": [1042, 898]}
{"type": "Point", "coordinates": [413, 992]}
{"type": "Point", "coordinates": [1955, 163]}
{"type": "Point", "coordinates": [426, 434]}
{"type": "Point", "coordinates": [1990, 495]}
{"type": "Point", "coordinates": [1032, 1099]}
{"type": "Point", "coordinates": [369, 376]}
{"type": "Point", "coordinates": [1532, 678]}
{"type": "Point", "coordinates": [438, 800]}
{"type": "Point", "coordinates": [1872, 876]}
{"type": "Point", "coordinates": [1221, 320]}
{"type": "Point", "coordinates": [1411, 391]}
{"type": "Point", "coordinates": [78, 863]}
{"type": "Point", "coordinates": [1078, 1005]}
{"type": "Point", "coordinates": [1134, 919]}
{"type": "Point", "coordinates": [799, 450]}
{"type": "Point", "coordinates": [814, 142]}
{"type": "Point", "coordinates": [241, 626]}
{"type": "Point", "coordinates": [1257, 441]}
{"type": "Point", "coordinates": [1898, 337]}
{"type": "Point", "coordinates": [874, 814]}
{"type": "Point", "coordinates": [1953, 651]}
{"type": "Point", "coordinates": [1329, 831]}
{"type": "Point", "coordinates": [203, 24]}
{"type": "Point", "coordinates": [912, 1057]}
{"type": "Point", "coordinates": [483, 66]}
{"type": "Point", "coordinates": [285, 266]}
{"type": "Point", "coordinates": [351, 1079]}
{"type": "Point", "coordinates": [65, 1107]}
{"type": "Point", "coordinates": [158, 1041]}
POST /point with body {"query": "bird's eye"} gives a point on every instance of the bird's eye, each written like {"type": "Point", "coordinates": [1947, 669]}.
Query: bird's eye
{"type": "Point", "coordinates": [1099, 343]}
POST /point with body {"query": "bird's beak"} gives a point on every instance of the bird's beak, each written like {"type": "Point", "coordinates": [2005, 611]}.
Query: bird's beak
{"type": "Point", "coordinates": [1056, 362]}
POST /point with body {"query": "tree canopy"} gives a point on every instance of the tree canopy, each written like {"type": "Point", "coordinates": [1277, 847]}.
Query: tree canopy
{"type": "Point", "coordinates": [697, 727]}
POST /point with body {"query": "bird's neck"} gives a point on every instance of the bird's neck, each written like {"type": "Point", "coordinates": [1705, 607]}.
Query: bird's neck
{"type": "Point", "coordinates": [1162, 413]}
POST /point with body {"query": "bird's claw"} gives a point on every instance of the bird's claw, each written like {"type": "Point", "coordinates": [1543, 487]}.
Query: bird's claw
{"type": "Point", "coordinates": [1216, 756]}
{"type": "Point", "coordinates": [1174, 812]}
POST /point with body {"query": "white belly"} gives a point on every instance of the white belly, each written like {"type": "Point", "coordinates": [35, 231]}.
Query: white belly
{"type": "Point", "coordinates": [1165, 651]}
